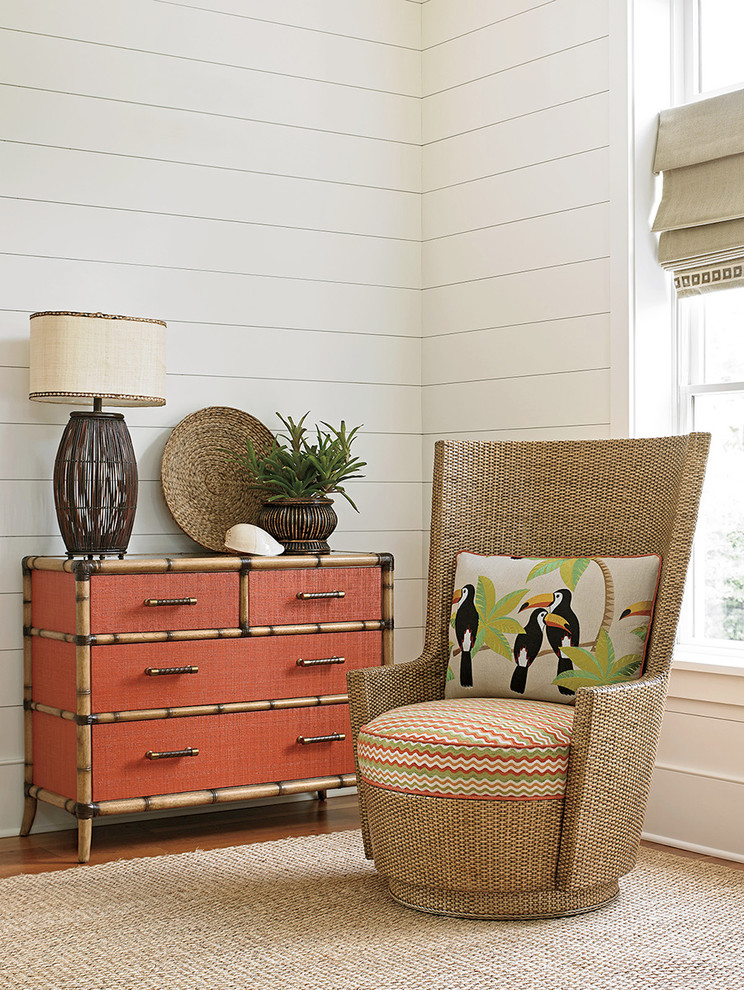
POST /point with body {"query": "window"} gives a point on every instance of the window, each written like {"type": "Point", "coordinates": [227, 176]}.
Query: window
{"type": "Point", "coordinates": [720, 28]}
{"type": "Point", "coordinates": [710, 335]}
{"type": "Point", "coordinates": [712, 399]}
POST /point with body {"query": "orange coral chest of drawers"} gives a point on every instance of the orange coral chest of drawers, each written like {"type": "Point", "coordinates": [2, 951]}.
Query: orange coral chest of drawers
{"type": "Point", "coordinates": [154, 683]}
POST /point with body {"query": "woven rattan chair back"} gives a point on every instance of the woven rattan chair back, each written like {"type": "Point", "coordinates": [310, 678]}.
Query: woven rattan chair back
{"type": "Point", "coordinates": [565, 499]}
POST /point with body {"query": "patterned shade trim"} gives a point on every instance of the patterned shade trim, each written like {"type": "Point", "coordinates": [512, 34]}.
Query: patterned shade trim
{"type": "Point", "coordinates": [477, 748]}
{"type": "Point", "coordinates": [694, 283]}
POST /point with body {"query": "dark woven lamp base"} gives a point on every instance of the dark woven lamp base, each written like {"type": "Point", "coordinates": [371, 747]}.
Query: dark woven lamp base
{"type": "Point", "coordinates": [95, 484]}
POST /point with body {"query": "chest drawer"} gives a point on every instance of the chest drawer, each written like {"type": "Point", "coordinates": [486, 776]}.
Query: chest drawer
{"type": "Point", "coordinates": [192, 600]}
{"type": "Point", "coordinates": [202, 672]}
{"type": "Point", "coordinates": [150, 602]}
{"type": "Point", "coordinates": [293, 597]}
{"type": "Point", "coordinates": [247, 748]}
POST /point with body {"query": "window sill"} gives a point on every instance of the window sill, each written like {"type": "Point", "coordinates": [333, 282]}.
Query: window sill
{"type": "Point", "coordinates": [709, 660]}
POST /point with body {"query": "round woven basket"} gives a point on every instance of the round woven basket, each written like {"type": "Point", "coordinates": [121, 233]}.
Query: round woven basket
{"type": "Point", "coordinates": [205, 490]}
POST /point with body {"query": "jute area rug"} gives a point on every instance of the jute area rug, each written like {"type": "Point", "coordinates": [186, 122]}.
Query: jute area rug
{"type": "Point", "coordinates": [311, 913]}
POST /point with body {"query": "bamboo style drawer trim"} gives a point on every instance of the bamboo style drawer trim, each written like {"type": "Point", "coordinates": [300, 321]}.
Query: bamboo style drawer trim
{"type": "Point", "coordinates": [185, 711]}
{"type": "Point", "coordinates": [192, 799]}
{"type": "Point", "coordinates": [184, 635]}
{"type": "Point", "coordinates": [203, 563]}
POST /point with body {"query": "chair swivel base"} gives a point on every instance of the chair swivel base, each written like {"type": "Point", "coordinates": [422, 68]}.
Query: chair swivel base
{"type": "Point", "coordinates": [502, 907]}
{"type": "Point", "coordinates": [486, 859]}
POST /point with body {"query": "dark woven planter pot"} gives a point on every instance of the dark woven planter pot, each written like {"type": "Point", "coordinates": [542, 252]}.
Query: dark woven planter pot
{"type": "Point", "coordinates": [301, 525]}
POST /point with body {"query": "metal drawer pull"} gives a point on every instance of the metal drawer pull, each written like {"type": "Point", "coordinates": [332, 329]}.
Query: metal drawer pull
{"type": "Point", "coordinates": [334, 737]}
{"type": "Point", "coordinates": [162, 671]}
{"type": "Point", "coordinates": [307, 595]}
{"type": "Point", "coordinates": [155, 602]}
{"type": "Point", "coordinates": [323, 662]}
{"type": "Point", "coordinates": [171, 754]}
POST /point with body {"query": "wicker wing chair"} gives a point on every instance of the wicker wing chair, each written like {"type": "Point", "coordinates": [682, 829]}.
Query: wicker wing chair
{"type": "Point", "coordinates": [528, 859]}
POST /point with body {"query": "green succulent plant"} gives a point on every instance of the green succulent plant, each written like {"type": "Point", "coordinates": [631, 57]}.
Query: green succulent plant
{"type": "Point", "coordinates": [301, 464]}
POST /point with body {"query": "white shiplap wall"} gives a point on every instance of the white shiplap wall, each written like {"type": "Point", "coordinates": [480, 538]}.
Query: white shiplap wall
{"type": "Point", "coordinates": [270, 214]}
{"type": "Point", "coordinates": [252, 172]}
{"type": "Point", "coordinates": [515, 263]}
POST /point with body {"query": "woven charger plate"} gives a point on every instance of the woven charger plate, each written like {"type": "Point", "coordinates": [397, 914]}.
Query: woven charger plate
{"type": "Point", "coordinates": [205, 490]}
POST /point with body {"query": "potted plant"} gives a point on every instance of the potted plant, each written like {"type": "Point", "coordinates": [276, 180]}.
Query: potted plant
{"type": "Point", "coordinates": [296, 475]}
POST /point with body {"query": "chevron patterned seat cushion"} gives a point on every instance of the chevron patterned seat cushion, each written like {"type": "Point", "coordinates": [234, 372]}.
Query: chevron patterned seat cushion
{"type": "Point", "coordinates": [477, 748]}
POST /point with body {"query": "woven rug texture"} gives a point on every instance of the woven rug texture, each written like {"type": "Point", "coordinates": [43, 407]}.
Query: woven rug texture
{"type": "Point", "coordinates": [312, 914]}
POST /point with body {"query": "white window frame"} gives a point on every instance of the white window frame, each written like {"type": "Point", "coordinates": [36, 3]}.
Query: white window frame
{"type": "Point", "coordinates": [645, 361]}
{"type": "Point", "coordinates": [690, 329]}
{"type": "Point", "coordinates": [688, 347]}
{"type": "Point", "coordinates": [685, 50]}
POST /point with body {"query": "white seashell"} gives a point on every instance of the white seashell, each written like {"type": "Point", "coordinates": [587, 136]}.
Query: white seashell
{"type": "Point", "coordinates": [246, 538]}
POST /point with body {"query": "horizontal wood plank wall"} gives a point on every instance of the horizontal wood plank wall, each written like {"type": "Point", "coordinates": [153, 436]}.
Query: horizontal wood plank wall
{"type": "Point", "coordinates": [249, 172]}
{"type": "Point", "coordinates": [515, 267]}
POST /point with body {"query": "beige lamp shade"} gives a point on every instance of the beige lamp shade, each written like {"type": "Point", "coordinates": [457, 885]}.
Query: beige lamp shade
{"type": "Point", "coordinates": [119, 359]}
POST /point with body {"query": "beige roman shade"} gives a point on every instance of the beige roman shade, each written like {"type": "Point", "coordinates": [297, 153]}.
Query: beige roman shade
{"type": "Point", "coordinates": [700, 151]}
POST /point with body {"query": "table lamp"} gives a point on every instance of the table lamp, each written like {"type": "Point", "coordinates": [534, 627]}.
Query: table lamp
{"type": "Point", "coordinates": [76, 357]}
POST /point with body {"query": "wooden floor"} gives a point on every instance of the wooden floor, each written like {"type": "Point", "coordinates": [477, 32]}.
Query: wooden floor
{"type": "Point", "coordinates": [46, 851]}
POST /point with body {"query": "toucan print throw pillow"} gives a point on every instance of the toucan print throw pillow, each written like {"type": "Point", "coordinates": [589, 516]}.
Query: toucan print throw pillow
{"type": "Point", "coordinates": [540, 628]}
